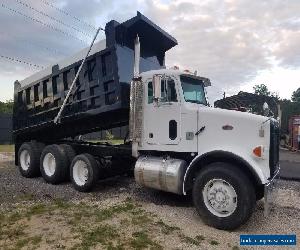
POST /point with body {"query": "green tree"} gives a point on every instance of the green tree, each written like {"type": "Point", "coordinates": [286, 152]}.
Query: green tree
{"type": "Point", "coordinates": [262, 89]}
{"type": "Point", "coordinates": [6, 107]}
{"type": "Point", "coordinates": [296, 96]}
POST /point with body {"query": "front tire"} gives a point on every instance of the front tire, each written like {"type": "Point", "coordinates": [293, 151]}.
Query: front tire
{"type": "Point", "coordinates": [84, 172]}
{"type": "Point", "coordinates": [54, 164]}
{"type": "Point", "coordinates": [223, 196]}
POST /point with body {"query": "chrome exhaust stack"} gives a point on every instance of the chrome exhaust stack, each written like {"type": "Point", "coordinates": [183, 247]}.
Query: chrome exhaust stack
{"type": "Point", "coordinates": [137, 52]}
{"type": "Point", "coordinates": [136, 102]}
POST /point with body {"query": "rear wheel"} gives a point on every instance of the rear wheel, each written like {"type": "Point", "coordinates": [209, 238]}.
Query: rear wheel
{"type": "Point", "coordinates": [84, 172]}
{"type": "Point", "coordinates": [54, 164]}
{"type": "Point", "coordinates": [70, 152]}
{"type": "Point", "coordinates": [223, 196]}
{"type": "Point", "coordinates": [29, 157]}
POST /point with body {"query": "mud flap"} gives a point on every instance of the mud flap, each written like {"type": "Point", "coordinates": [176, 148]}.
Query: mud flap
{"type": "Point", "coordinates": [270, 192]}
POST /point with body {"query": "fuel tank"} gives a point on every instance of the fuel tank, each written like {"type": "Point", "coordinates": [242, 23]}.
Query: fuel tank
{"type": "Point", "coordinates": [160, 173]}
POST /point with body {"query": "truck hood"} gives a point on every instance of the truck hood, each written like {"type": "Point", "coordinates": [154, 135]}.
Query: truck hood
{"type": "Point", "coordinates": [235, 132]}
{"type": "Point", "coordinates": [232, 115]}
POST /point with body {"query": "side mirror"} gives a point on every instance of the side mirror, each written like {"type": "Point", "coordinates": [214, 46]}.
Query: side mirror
{"type": "Point", "coordinates": [156, 87]}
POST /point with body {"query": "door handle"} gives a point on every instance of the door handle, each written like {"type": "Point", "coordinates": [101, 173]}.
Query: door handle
{"type": "Point", "coordinates": [200, 130]}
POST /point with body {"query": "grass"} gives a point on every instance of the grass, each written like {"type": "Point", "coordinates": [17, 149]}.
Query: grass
{"type": "Point", "coordinates": [61, 204]}
{"type": "Point", "coordinates": [193, 241]}
{"type": "Point", "coordinates": [7, 148]}
{"type": "Point", "coordinates": [214, 242]}
{"type": "Point", "coordinates": [22, 243]}
{"type": "Point", "coordinates": [35, 240]}
{"type": "Point", "coordinates": [141, 240]}
{"type": "Point", "coordinates": [200, 238]}
{"type": "Point", "coordinates": [109, 212]}
{"type": "Point", "coordinates": [103, 234]}
{"type": "Point", "coordinates": [166, 229]}
{"type": "Point", "coordinates": [189, 240]}
{"type": "Point", "coordinates": [14, 217]}
{"type": "Point", "coordinates": [37, 210]}
{"type": "Point", "coordinates": [9, 232]}
{"type": "Point", "coordinates": [125, 225]}
{"type": "Point", "coordinates": [141, 219]}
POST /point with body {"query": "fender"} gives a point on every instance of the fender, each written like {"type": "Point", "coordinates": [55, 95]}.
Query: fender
{"type": "Point", "coordinates": [219, 155]}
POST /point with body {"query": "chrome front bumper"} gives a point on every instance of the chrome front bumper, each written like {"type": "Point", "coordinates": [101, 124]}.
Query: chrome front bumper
{"type": "Point", "coordinates": [270, 191]}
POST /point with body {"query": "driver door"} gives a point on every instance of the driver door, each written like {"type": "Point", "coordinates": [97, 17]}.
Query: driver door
{"type": "Point", "coordinates": [162, 124]}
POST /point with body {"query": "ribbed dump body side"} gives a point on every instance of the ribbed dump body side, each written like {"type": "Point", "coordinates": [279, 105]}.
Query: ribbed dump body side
{"type": "Point", "coordinates": [100, 98]}
{"type": "Point", "coordinates": [97, 92]}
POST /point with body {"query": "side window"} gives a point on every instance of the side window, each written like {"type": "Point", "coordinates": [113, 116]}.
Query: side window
{"type": "Point", "coordinates": [150, 92]}
{"type": "Point", "coordinates": [168, 91]}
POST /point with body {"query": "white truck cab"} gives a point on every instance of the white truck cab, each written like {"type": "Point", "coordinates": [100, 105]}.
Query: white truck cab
{"type": "Point", "coordinates": [227, 159]}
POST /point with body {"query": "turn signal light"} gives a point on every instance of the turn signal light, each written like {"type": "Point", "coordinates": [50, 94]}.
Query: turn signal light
{"type": "Point", "coordinates": [258, 151]}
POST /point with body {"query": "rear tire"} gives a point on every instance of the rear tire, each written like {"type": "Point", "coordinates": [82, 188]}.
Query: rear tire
{"type": "Point", "coordinates": [84, 172]}
{"type": "Point", "coordinates": [70, 152]}
{"type": "Point", "coordinates": [54, 164]}
{"type": "Point", "coordinates": [223, 196]}
{"type": "Point", "coordinates": [29, 158]}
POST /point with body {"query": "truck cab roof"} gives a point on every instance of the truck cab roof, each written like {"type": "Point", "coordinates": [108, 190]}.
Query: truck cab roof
{"type": "Point", "coordinates": [175, 72]}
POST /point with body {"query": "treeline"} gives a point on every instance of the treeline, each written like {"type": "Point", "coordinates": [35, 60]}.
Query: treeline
{"type": "Point", "coordinates": [288, 109]}
{"type": "Point", "coordinates": [6, 107]}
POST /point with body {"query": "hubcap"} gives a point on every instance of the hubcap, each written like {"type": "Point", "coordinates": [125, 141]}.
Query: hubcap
{"type": "Point", "coordinates": [49, 164]}
{"type": "Point", "coordinates": [220, 197]}
{"type": "Point", "coordinates": [80, 172]}
{"type": "Point", "coordinates": [25, 160]}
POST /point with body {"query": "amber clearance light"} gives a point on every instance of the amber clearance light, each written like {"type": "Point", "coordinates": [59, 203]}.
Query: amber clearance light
{"type": "Point", "coordinates": [258, 151]}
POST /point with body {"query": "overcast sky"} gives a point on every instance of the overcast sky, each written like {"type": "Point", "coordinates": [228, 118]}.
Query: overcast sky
{"type": "Point", "coordinates": [236, 44]}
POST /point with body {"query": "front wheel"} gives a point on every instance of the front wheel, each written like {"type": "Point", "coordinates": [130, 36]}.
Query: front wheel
{"type": "Point", "coordinates": [84, 172]}
{"type": "Point", "coordinates": [223, 196]}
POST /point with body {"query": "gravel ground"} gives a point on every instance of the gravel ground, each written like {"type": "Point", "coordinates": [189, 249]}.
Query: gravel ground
{"type": "Point", "coordinates": [174, 209]}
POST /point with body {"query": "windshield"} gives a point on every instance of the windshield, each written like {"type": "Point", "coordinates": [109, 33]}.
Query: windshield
{"type": "Point", "coordinates": [193, 90]}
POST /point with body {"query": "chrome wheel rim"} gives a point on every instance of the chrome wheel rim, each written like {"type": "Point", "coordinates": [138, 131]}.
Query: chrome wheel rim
{"type": "Point", "coordinates": [80, 173]}
{"type": "Point", "coordinates": [49, 164]}
{"type": "Point", "coordinates": [25, 160]}
{"type": "Point", "coordinates": [220, 197]}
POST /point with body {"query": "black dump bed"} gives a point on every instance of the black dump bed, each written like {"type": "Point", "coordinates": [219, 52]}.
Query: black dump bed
{"type": "Point", "coordinates": [100, 99]}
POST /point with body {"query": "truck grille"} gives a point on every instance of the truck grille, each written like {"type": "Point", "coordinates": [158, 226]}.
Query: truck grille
{"type": "Point", "coordinates": [274, 147]}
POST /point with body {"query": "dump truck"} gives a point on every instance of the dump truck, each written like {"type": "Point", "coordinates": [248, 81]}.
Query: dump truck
{"type": "Point", "coordinates": [226, 160]}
